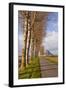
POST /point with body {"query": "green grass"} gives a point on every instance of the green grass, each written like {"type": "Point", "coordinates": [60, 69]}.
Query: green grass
{"type": "Point", "coordinates": [53, 59]}
{"type": "Point", "coordinates": [32, 70]}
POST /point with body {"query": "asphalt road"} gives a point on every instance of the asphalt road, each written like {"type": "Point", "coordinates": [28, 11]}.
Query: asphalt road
{"type": "Point", "coordinates": [48, 69]}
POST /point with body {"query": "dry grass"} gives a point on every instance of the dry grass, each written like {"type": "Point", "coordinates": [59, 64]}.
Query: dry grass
{"type": "Point", "coordinates": [53, 59]}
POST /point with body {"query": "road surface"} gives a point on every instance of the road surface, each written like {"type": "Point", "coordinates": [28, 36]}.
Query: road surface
{"type": "Point", "coordinates": [48, 69]}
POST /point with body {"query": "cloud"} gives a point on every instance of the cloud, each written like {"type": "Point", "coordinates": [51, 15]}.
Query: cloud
{"type": "Point", "coordinates": [50, 42]}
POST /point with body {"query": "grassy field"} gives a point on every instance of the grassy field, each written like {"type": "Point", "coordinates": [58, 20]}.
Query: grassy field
{"type": "Point", "coordinates": [53, 59]}
{"type": "Point", "coordinates": [31, 71]}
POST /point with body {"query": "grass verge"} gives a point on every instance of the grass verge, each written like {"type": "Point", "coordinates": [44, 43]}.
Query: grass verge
{"type": "Point", "coordinates": [53, 59]}
{"type": "Point", "coordinates": [32, 70]}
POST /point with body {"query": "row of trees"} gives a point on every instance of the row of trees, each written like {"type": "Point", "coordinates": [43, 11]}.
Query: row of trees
{"type": "Point", "coordinates": [34, 31]}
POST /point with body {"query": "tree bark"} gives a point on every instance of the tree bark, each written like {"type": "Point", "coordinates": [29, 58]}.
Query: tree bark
{"type": "Point", "coordinates": [25, 40]}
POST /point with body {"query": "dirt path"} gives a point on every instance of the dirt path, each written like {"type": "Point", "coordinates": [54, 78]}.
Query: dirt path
{"type": "Point", "coordinates": [48, 69]}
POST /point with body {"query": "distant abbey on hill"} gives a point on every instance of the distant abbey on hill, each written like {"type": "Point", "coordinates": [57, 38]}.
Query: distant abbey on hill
{"type": "Point", "coordinates": [48, 52]}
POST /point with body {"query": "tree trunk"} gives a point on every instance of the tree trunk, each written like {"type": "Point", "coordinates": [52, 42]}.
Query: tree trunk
{"type": "Point", "coordinates": [28, 40]}
{"type": "Point", "coordinates": [25, 41]}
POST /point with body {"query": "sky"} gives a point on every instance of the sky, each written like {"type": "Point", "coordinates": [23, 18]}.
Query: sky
{"type": "Point", "coordinates": [20, 36]}
{"type": "Point", "coordinates": [50, 41]}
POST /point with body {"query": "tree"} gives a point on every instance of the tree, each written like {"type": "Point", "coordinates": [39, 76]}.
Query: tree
{"type": "Point", "coordinates": [24, 55]}
{"type": "Point", "coordinates": [34, 23]}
